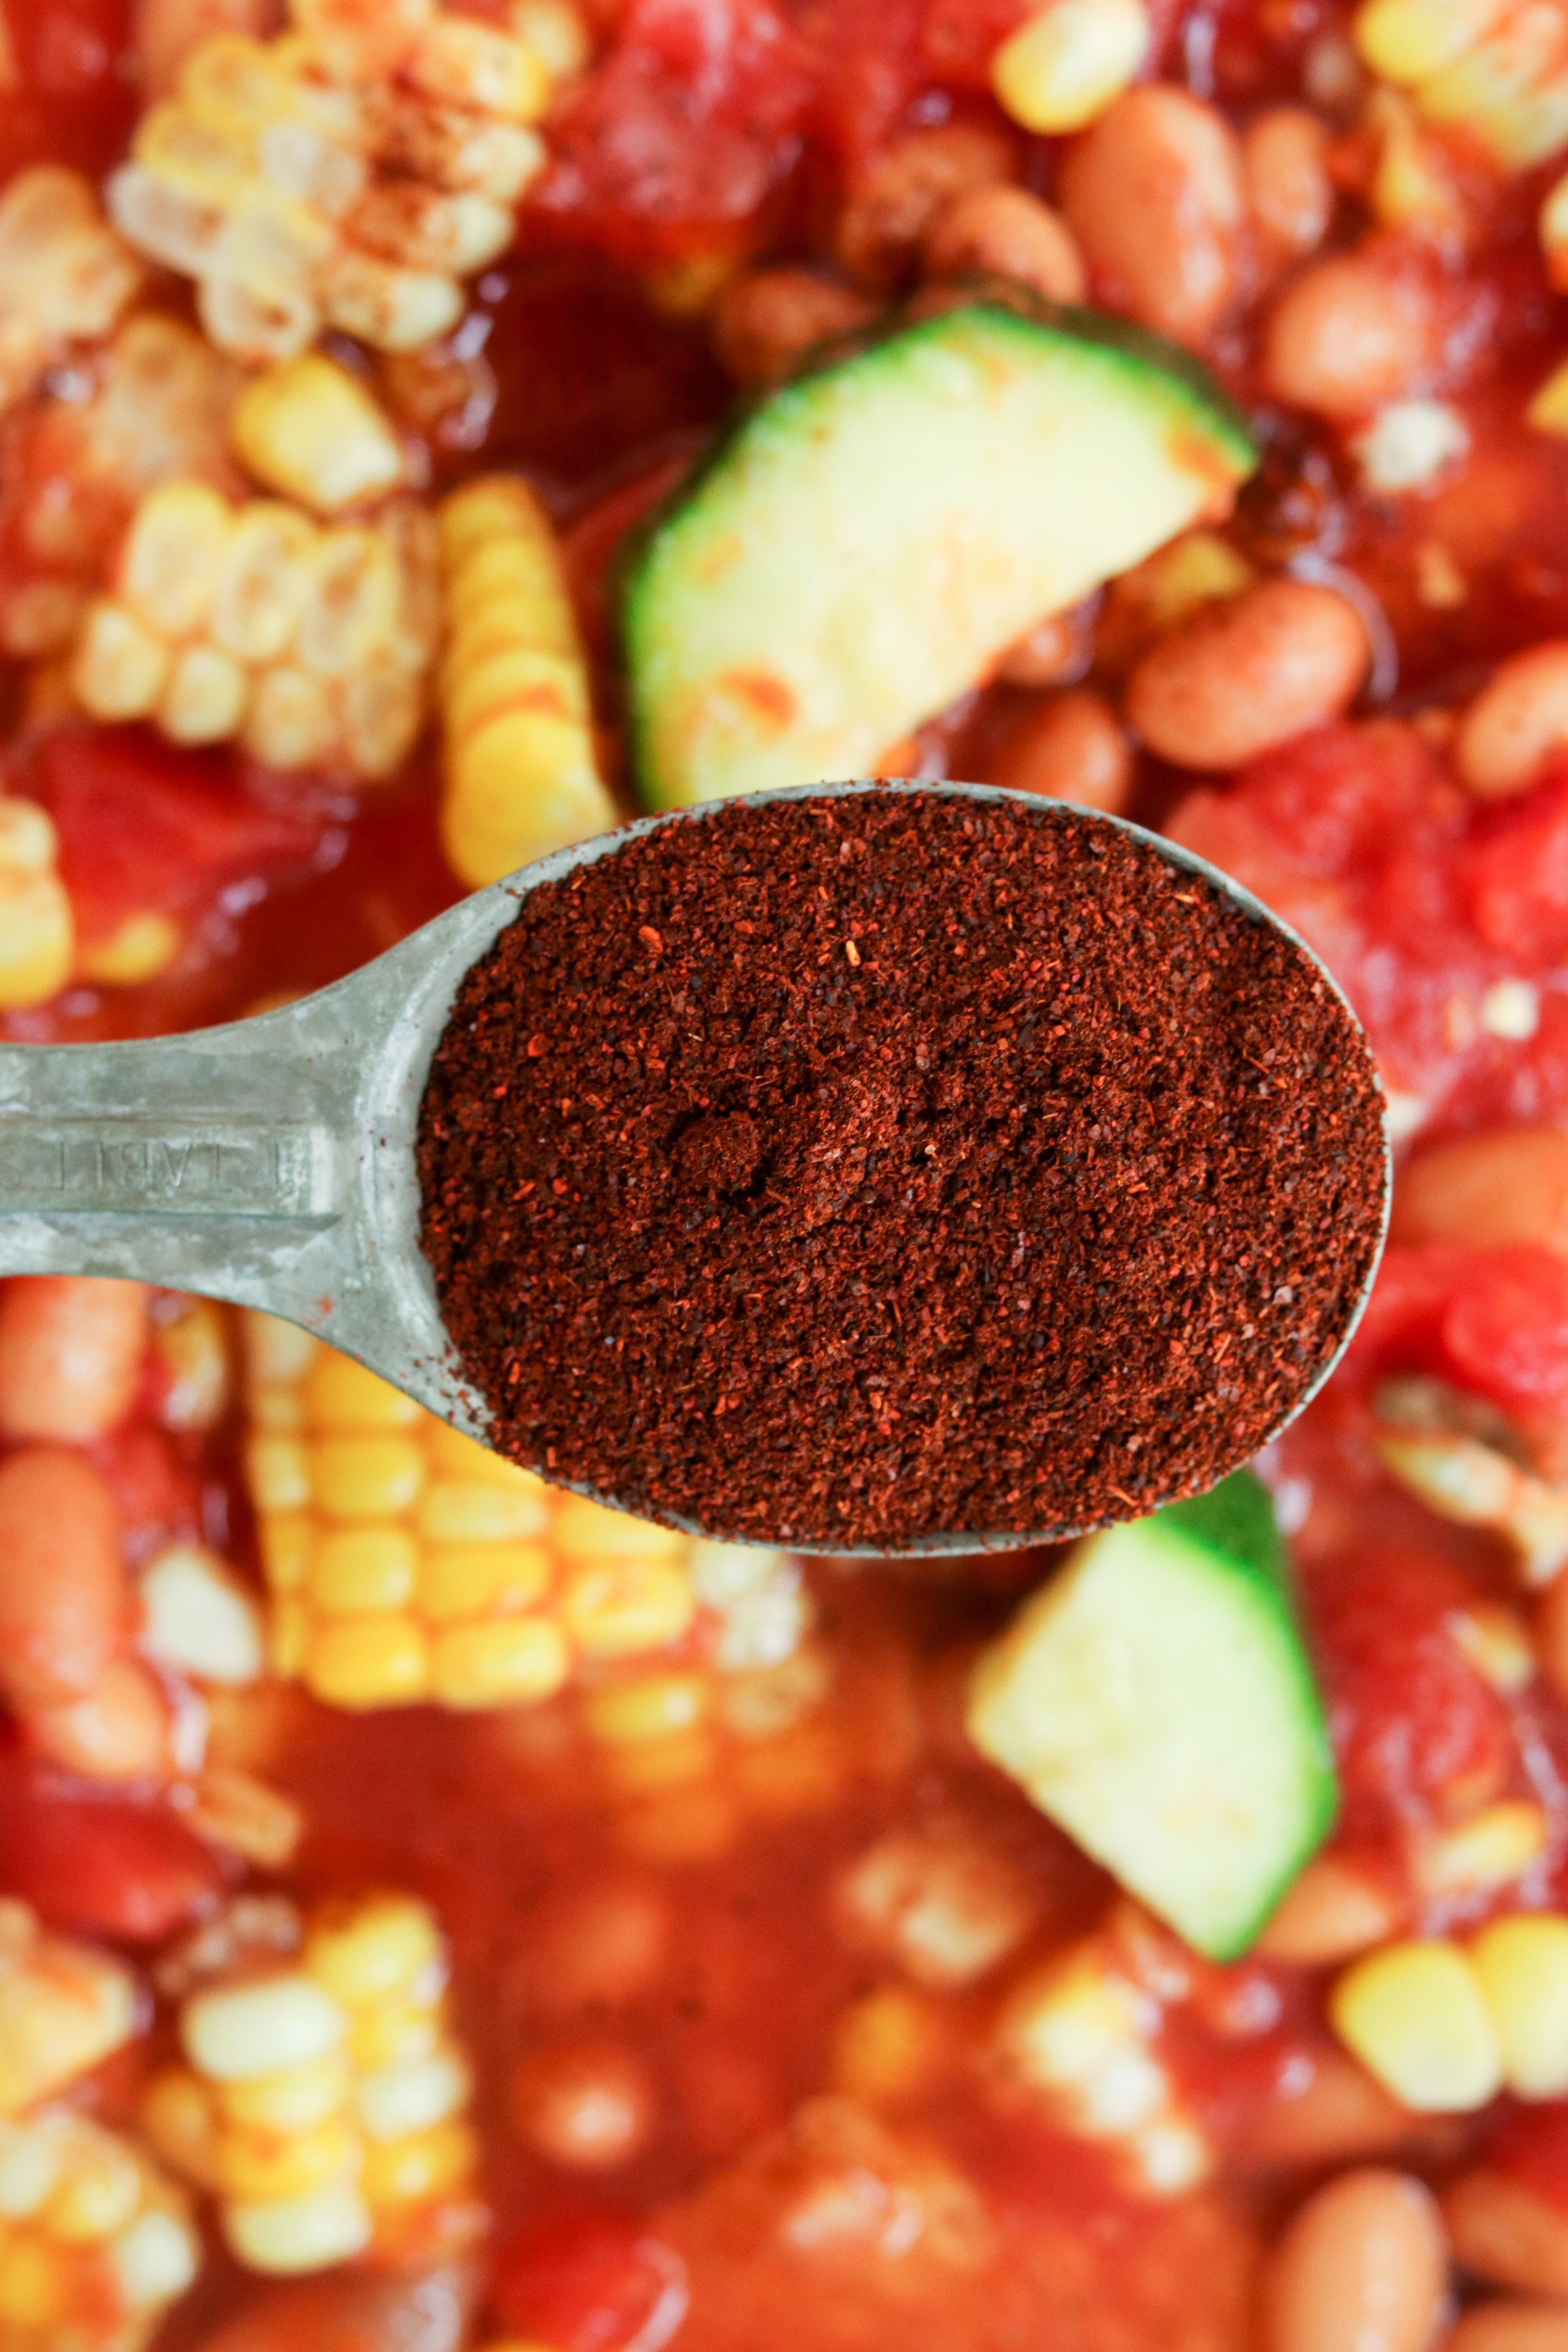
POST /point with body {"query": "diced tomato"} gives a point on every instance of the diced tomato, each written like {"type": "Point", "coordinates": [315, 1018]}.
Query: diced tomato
{"type": "Point", "coordinates": [1519, 876]}
{"type": "Point", "coordinates": [587, 2282]}
{"type": "Point", "coordinates": [102, 1865]}
{"type": "Point", "coordinates": [1415, 1726]}
{"type": "Point", "coordinates": [143, 826]}
{"type": "Point", "coordinates": [1492, 1321]}
{"type": "Point", "coordinates": [678, 137]}
{"type": "Point", "coordinates": [72, 101]}
{"type": "Point", "coordinates": [152, 1489]}
{"type": "Point", "coordinates": [1532, 2144]}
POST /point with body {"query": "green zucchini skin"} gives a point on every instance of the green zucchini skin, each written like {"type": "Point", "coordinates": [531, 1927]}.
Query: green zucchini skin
{"type": "Point", "coordinates": [872, 535]}
{"type": "Point", "coordinates": [1157, 1700]}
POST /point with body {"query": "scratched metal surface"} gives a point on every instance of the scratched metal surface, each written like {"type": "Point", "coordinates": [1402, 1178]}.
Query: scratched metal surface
{"type": "Point", "coordinates": [270, 1161]}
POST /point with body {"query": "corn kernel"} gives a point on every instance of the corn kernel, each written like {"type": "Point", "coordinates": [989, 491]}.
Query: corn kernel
{"type": "Point", "coordinates": [1493, 1847]}
{"type": "Point", "coordinates": [513, 1659]}
{"type": "Point", "coordinates": [309, 430]}
{"type": "Point", "coordinates": [294, 2100]}
{"type": "Point", "coordinates": [411, 2096]}
{"type": "Point", "coordinates": [288, 2235]}
{"type": "Point", "coordinates": [32, 2287]}
{"type": "Point", "coordinates": [341, 1395]}
{"type": "Point", "coordinates": [178, 2118]}
{"type": "Point", "coordinates": [1064, 66]}
{"type": "Point", "coordinates": [289, 1638]}
{"type": "Point", "coordinates": [286, 2020]}
{"type": "Point", "coordinates": [204, 697]}
{"type": "Point", "coordinates": [260, 592]}
{"type": "Point", "coordinates": [30, 2164]}
{"type": "Point", "coordinates": [259, 2167]}
{"type": "Point", "coordinates": [470, 1512]}
{"type": "Point", "coordinates": [466, 63]}
{"type": "Point", "coordinates": [613, 1612]}
{"type": "Point", "coordinates": [136, 950]}
{"type": "Point", "coordinates": [276, 1350]}
{"type": "Point", "coordinates": [278, 1471]}
{"type": "Point", "coordinates": [101, 2189]}
{"type": "Point", "coordinates": [588, 1531]}
{"type": "Point", "coordinates": [392, 2032]}
{"type": "Point", "coordinates": [1548, 409]}
{"type": "Point", "coordinates": [1411, 41]}
{"type": "Point", "coordinates": [426, 2164]}
{"type": "Point", "coordinates": [1415, 2015]}
{"type": "Point", "coordinates": [198, 1618]}
{"type": "Point", "coordinates": [358, 1662]}
{"type": "Point", "coordinates": [37, 932]}
{"type": "Point", "coordinates": [63, 2008]}
{"type": "Point", "coordinates": [156, 2260]}
{"type": "Point", "coordinates": [1522, 1966]}
{"type": "Point", "coordinates": [655, 1706]}
{"type": "Point", "coordinates": [169, 564]}
{"type": "Point", "coordinates": [290, 723]}
{"type": "Point", "coordinates": [360, 1569]}
{"type": "Point", "coordinates": [478, 1579]}
{"type": "Point", "coordinates": [885, 2046]}
{"type": "Point", "coordinates": [365, 1950]}
{"type": "Point", "coordinates": [365, 1477]}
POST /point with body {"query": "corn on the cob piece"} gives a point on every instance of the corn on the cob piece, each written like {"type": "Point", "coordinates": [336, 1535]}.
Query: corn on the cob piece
{"type": "Point", "coordinates": [1445, 2026]}
{"type": "Point", "coordinates": [324, 2099]}
{"type": "Point", "coordinates": [520, 771]}
{"type": "Point", "coordinates": [406, 1562]}
{"type": "Point", "coordinates": [309, 645]}
{"type": "Point", "coordinates": [95, 2244]}
{"type": "Point", "coordinates": [65, 276]}
{"type": "Point", "coordinates": [349, 173]}
{"type": "Point", "coordinates": [63, 2008]}
{"type": "Point", "coordinates": [1497, 69]}
{"type": "Point", "coordinates": [37, 935]}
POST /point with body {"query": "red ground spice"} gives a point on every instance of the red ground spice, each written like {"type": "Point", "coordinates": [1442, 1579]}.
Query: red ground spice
{"type": "Point", "coordinates": [847, 1171]}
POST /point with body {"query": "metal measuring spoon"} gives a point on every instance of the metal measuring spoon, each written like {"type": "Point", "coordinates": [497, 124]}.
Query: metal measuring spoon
{"type": "Point", "coordinates": [270, 1161]}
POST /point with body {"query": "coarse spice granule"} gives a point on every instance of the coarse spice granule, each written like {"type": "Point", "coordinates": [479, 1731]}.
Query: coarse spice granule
{"type": "Point", "coordinates": [850, 1171]}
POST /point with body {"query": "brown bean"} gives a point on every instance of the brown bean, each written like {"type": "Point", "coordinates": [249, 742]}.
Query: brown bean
{"type": "Point", "coordinates": [1332, 1912]}
{"type": "Point", "coordinates": [1054, 653]}
{"type": "Point", "coordinates": [894, 202]}
{"type": "Point", "coordinates": [1517, 726]}
{"type": "Point", "coordinates": [1153, 193]}
{"type": "Point", "coordinates": [1340, 2112]}
{"type": "Point", "coordinates": [1363, 2268]}
{"type": "Point", "coordinates": [1247, 673]}
{"type": "Point", "coordinates": [1510, 2328]}
{"type": "Point", "coordinates": [1285, 165]}
{"type": "Point", "coordinates": [118, 1730]}
{"type": "Point", "coordinates": [1349, 335]}
{"type": "Point", "coordinates": [1007, 232]}
{"type": "Point", "coordinates": [72, 1353]}
{"type": "Point", "coordinates": [764, 324]}
{"type": "Point", "coordinates": [1070, 749]}
{"type": "Point", "coordinates": [1551, 1634]}
{"type": "Point", "coordinates": [1487, 1189]}
{"type": "Point", "coordinates": [64, 1599]}
{"type": "Point", "coordinates": [1507, 2235]}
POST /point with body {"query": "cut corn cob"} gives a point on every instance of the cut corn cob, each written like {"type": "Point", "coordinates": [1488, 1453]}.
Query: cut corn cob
{"type": "Point", "coordinates": [65, 276]}
{"type": "Point", "coordinates": [406, 1562]}
{"type": "Point", "coordinates": [324, 2098]}
{"type": "Point", "coordinates": [63, 2008]}
{"type": "Point", "coordinates": [349, 173]}
{"type": "Point", "coordinates": [37, 935]}
{"type": "Point", "coordinates": [1082, 2031]}
{"type": "Point", "coordinates": [1064, 66]}
{"type": "Point", "coordinates": [309, 646]}
{"type": "Point", "coordinates": [521, 777]}
{"type": "Point", "coordinates": [95, 2244]}
{"type": "Point", "coordinates": [1497, 69]}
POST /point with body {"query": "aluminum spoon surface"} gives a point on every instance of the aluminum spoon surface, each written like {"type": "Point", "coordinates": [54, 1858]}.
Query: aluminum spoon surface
{"type": "Point", "coordinates": [270, 1161]}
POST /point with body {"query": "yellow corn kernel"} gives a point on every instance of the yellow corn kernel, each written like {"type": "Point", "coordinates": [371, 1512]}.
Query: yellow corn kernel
{"type": "Point", "coordinates": [63, 2008]}
{"type": "Point", "coordinates": [287, 2235]}
{"type": "Point", "coordinates": [412, 2095]}
{"type": "Point", "coordinates": [232, 2033]}
{"type": "Point", "coordinates": [617, 1610]}
{"type": "Point", "coordinates": [525, 784]}
{"type": "Point", "coordinates": [626, 1714]}
{"type": "Point", "coordinates": [1412, 41]}
{"type": "Point", "coordinates": [341, 1395]}
{"type": "Point", "coordinates": [427, 2164]}
{"type": "Point", "coordinates": [1491, 1848]}
{"type": "Point", "coordinates": [359, 1662]}
{"type": "Point", "coordinates": [294, 2100]}
{"type": "Point", "coordinates": [453, 1456]}
{"type": "Point", "coordinates": [481, 1579]}
{"type": "Point", "coordinates": [1064, 66]}
{"type": "Point", "coordinates": [204, 698]}
{"type": "Point", "coordinates": [100, 2189]}
{"type": "Point", "coordinates": [555, 32]}
{"type": "Point", "coordinates": [289, 1636]}
{"type": "Point", "coordinates": [33, 2287]}
{"type": "Point", "coordinates": [191, 1351]}
{"type": "Point", "coordinates": [469, 1511]}
{"type": "Point", "coordinates": [36, 930]}
{"type": "Point", "coordinates": [309, 430]}
{"type": "Point", "coordinates": [1522, 1968]}
{"type": "Point", "coordinates": [357, 1570]}
{"type": "Point", "coordinates": [260, 592]}
{"type": "Point", "coordinates": [1497, 1644]}
{"type": "Point", "coordinates": [276, 1351]}
{"type": "Point", "coordinates": [1548, 409]}
{"type": "Point", "coordinates": [365, 1950]}
{"type": "Point", "coordinates": [589, 1532]}
{"type": "Point", "coordinates": [121, 665]}
{"type": "Point", "coordinates": [1509, 92]}
{"type": "Point", "coordinates": [508, 1659]}
{"type": "Point", "coordinates": [885, 2045]}
{"type": "Point", "coordinates": [136, 950]}
{"type": "Point", "coordinates": [258, 2167]}
{"type": "Point", "coordinates": [394, 2032]}
{"type": "Point", "coordinates": [179, 2119]}
{"type": "Point", "coordinates": [464, 63]}
{"type": "Point", "coordinates": [277, 1470]}
{"type": "Point", "coordinates": [365, 1477]}
{"type": "Point", "coordinates": [169, 563]}
{"type": "Point", "coordinates": [1415, 2016]}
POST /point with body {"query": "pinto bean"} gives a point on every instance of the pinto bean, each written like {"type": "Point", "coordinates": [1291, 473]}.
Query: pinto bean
{"type": "Point", "coordinates": [1505, 2232]}
{"type": "Point", "coordinates": [1332, 1912]}
{"type": "Point", "coordinates": [1009, 232]}
{"type": "Point", "coordinates": [118, 1730]}
{"type": "Point", "coordinates": [895, 201]}
{"type": "Point", "coordinates": [1338, 2113]}
{"type": "Point", "coordinates": [1517, 725]}
{"type": "Point", "coordinates": [1510, 2328]}
{"type": "Point", "coordinates": [1349, 335]}
{"type": "Point", "coordinates": [1363, 2267]}
{"type": "Point", "coordinates": [71, 1351]}
{"type": "Point", "coordinates": [1071, 748]}
{"type": "Point", "coordinates": [1289, 191]}
{"type": "Point", "coordinates": [764, 323]}
{"type": "Point", "coordinates": [1247, 673]}
{"type": "Point", "coordinates": [1487, 1189]}
{"type": "Point", "coordinates": [1153, 193]}
{"type": "Point", "coordinates": [64, 1600]}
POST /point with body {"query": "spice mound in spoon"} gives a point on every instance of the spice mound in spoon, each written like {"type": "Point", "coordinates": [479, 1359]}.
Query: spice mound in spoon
{"type": "Point", "coordinates": [847, 1171]}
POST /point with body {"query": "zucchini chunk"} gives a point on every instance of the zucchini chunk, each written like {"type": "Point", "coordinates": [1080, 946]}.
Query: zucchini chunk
{"type": "Point", "coordinates": [876, 533]}
{"type": "Point", "coordinates": [1154, 1698]}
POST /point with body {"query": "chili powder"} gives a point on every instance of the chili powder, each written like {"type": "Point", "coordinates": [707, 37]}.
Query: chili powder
{"type": "Point", "coordinates": [843, 1171]}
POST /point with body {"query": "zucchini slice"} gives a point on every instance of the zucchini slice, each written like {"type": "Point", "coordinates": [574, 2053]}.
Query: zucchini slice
{"type": "Point", "coordinates": [1154, 1698]}
{"type": "Point", "coordinates": [876, 533]}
